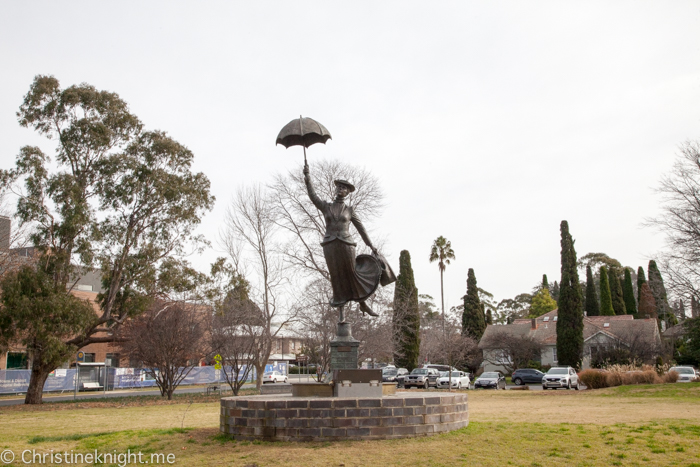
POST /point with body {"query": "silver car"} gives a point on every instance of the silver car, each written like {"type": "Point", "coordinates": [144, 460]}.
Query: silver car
{"type": "Point", "coordinates": [560, 377]}
{"type": "Point", "coordinates": [686, 374]}
{"type": "Point", "coordinates": [421, 378]}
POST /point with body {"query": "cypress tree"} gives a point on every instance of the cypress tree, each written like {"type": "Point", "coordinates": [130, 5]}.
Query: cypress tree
{"type": "Point", "coordinates": [606, 306]}
{"type": "Point", "coordinates": [641, 279]}
{"type": "Point", "coordinates": [618, 302]}
{"type": "Point", "coordinates": [592, 307]}
{"type": "Point", "coordinates": [555, 291]}
{"type": "Point", "coordinates": [406, 318]}
{"type": "Point", "coordinates": [658, 290]}
{"type": "Point", "coordinates": [545, 282]}
{"type": "Point", "coordinates": [489, 316]}
{"type": "Point", "coordinates": [570, 320]}
{"type": "Point", "coordinates": [473, 319]}
{"type": "Point", "coordinates": [647, 304]}
{"type": "Point", "coordinates": [628, 294]}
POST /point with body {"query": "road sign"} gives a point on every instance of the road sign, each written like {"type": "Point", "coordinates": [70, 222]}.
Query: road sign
{"type": "Point", "coordinates": [217, 366]}
{"type": "Point", "coordinates": [302, 358]}
{"type": "Point", "coordinates": [80, 357]}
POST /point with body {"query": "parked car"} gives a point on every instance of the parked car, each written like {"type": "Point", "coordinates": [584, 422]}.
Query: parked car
{"type": "Point", "coordinates": [526, 376]}
{"type": "Point", "coordinates": [490, 379]}
{"type": "Point", "coordinates": [421, 377]}
{"type": "Point", "coordinates": [274, 377]}
{"type": "Point", "coordinates": [400, 376]}
{"type": "Point", "coordinates": [560, 377]}
{"type": "Point", "coordinates": [439, 367]}
{"type": "Point", "coordinates": [391, 374]}
{"type": "Point", "coordinates": [686, 374]}
{"type": "Point", "coordinates": [459, 380]}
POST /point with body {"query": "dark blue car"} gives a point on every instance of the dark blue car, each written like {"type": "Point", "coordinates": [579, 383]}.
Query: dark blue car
{"type": "Point", "coordinates": [526, 376]}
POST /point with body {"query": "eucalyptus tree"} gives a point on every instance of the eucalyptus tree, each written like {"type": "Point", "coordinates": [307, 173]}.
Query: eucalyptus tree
{"type": "Point", "coordinates": [117, 199]}
{"type": "Point", "coordinates": [442, 252]}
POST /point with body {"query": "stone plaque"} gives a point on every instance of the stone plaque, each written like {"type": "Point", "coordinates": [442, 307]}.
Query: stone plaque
{"type": "Point", "coordinates": [344, 349]}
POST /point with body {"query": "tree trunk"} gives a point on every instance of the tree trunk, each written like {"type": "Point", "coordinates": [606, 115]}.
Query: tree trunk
{"type": "Point", "coordinates": [442, 298]}
{"type": "Point", "coordinates": [35, 391]}
{"type": "Point", "coordinates": [259, 372]}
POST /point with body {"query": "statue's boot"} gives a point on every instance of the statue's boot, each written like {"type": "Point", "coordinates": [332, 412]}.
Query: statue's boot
{"type": "Point", "coordinates": [366, 309]}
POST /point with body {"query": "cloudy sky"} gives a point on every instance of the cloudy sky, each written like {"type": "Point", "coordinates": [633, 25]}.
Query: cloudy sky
{"type": "Point", "coordinates": [486, 122]}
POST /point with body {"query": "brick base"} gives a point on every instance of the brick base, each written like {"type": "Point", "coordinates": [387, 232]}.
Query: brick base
{"type": "Point", "coordinates": [285, 418]}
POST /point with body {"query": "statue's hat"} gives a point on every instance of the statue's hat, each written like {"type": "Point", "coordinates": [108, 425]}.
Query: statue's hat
{"type": "Point", "coordinates": [350, 186]}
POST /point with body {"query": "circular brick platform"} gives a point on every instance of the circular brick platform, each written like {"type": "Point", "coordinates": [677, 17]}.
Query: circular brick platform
{"type": "Point", "coordinates": [286, 418]}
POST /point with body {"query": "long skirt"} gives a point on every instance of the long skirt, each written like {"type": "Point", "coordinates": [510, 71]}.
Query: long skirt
{"type": "Point", "coordinates": [352, 279]}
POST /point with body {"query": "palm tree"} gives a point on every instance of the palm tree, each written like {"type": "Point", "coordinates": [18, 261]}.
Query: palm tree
{"type": "Point", "coordinates": [442, 252]}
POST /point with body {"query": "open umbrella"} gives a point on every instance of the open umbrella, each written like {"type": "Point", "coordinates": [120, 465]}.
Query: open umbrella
{"type": "Point", "coordinates": [303, 132]}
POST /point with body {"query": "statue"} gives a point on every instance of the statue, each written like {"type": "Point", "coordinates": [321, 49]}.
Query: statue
{"type": "Point", "coordinates": [353, 279]}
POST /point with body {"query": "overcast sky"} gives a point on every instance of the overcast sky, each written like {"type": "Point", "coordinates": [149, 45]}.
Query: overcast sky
{"type": "Point", "coordinates": [486, 122]}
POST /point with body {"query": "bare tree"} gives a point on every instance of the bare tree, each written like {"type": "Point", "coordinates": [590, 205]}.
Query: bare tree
{"type": "Point", "coordinates": [633, 345]}
{"type": "Point", "coordinates": [168, 339]}
{"type": "Point", "coordinates": [375, 334]}
{"type": "Point", "coordinates": [249, 234]}
{"type": "Point", "coordinates": [509, 350]}
{"type": "Point", "coordinates": [305, 224]}
{"type": "Point", "coordinates": [680, 221]}
{"type": "Point", "coordinates": [13, 238]}
{"type": "Point", "coordinates": [235, 331]}
{"type": "Point", "coordinates": [317, 322]}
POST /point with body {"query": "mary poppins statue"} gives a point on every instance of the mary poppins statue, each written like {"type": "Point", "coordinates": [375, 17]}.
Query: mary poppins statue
{"type": "Point", "coordinates": [354, 279]}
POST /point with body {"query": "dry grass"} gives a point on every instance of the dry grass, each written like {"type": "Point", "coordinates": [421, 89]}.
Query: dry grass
{"type": "Point", "coordinates": [643, 425]}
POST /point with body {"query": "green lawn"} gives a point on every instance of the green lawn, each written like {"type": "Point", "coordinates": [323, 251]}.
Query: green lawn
{"type": "Point", "coordinates": [641, 425]}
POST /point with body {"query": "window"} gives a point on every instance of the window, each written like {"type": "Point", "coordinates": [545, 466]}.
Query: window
{"type": "Point", "coordinates": [17, 361]}
{"type": "Point", "coordinates": [546, 318]}
{"type": "Point", "coordinates": [89, 358]}
{"type": "Point", "coordinates": [112, 359]}
{"type": "Point", "coordinates": [292, 345]}
{"type": "Point", "coordinates": [554, 354]}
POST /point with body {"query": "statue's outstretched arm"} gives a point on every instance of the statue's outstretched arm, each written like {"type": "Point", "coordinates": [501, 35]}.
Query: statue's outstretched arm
{"type": "Point", "coordinates": [361, 230]}
{"type": "Point", "coordinates": [310, 189]}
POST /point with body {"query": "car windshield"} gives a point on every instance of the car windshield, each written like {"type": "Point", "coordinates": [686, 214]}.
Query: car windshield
{"type": "Point", "coordinates": [390, 371]}
{"type": "Point", "coordinates": [443, 374]}
{"type": "Point", "coordinates": [683, 371]}
{"type": "Point", "coordinates": [455, 374]}
{"type": "Point", "coordinates": [489, 375]}
{"type": "Point", "coordinates": [558, 371]}
{"type": "Point", "coordinates": [420, 371]}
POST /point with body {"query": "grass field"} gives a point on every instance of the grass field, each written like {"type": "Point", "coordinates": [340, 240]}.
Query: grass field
{"type": "Point", "coordinates": [633, 425]}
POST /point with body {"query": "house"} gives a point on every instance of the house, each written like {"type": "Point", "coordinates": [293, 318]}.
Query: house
{"type": "Point", "coordinates": [600, 333]}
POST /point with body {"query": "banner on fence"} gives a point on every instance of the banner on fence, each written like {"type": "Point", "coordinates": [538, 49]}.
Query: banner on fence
{"type": "Point", "coordinates": [15, 381]}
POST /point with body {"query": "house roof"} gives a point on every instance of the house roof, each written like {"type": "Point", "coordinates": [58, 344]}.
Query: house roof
{"type": "Point", "coordinates": [545, 329]}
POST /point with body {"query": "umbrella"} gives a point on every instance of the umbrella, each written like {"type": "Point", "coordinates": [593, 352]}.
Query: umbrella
{"type": "Point", "coordinates": [303, 132]}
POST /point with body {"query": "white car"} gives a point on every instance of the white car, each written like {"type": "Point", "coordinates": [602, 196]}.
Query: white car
{"type": "Point", "coordinates": [686, 374]}
{"type": "Point", "coordinates": [274, 377]}
{"type": "Point", "coordinates": [560, 377]}
{"type": "Point", "coordinates": [459, 380]}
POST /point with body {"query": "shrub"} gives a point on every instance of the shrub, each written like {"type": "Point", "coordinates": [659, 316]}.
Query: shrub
{"type": "Point", "coordinates": [614, 378]}
{"type": "Point", "coordinates": [670, 377]}
{"type": "Point", "coordinates": [593, 379]}
{"type": "Point", "coordinates": [650, 377]}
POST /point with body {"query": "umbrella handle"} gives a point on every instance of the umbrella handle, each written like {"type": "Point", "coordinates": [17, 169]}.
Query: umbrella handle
{"type": "Point", "coordinates": [305, 163]}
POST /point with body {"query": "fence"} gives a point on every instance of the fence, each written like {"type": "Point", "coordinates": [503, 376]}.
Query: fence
{"type": "Point", "coordinates": [17, 381]}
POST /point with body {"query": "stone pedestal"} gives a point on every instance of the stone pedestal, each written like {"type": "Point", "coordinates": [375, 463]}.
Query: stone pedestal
{"type": "Point", "coordinates": [287, 418]}
{"type": "Point", "coordinates": [344, 349]}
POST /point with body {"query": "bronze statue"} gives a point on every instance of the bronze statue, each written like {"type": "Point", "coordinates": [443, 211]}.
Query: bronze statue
{"type": "Point", "coordinates": [352, 278]}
